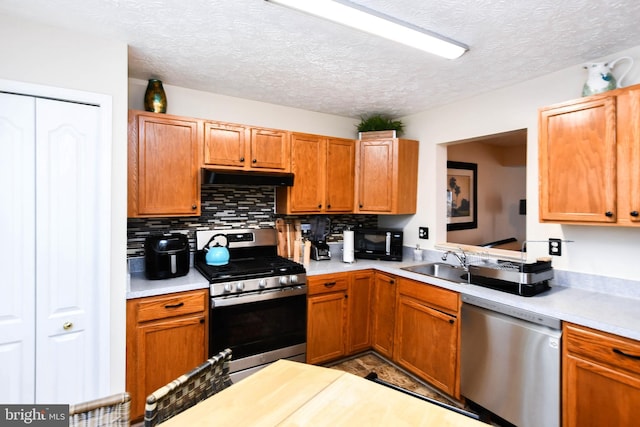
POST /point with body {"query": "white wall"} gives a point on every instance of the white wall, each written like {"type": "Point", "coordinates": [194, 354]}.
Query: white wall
{"type": "Point", "coordinates": [609, 251]}
{"type": "Point", "coordinates": [204, 105]}
{"type": "Point", "coordinates": [38, 54]}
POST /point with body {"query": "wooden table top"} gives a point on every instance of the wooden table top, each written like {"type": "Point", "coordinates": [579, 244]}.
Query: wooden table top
{"type": "Point", "coordinates": [288, 393]}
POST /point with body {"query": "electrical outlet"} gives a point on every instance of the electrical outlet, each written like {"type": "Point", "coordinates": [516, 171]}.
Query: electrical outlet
{"type": "Point", "coordinates": [423, 232]}
{"type": "Point", "coordinates": [555, 247]}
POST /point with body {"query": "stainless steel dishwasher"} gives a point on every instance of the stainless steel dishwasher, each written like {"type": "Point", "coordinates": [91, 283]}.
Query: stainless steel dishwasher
{"type": "Point", "coordinates": [510, 362]}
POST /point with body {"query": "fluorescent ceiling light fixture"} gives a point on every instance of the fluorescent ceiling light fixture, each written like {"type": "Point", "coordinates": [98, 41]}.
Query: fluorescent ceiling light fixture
{"type": "Point", "coordinates": [363, 19]}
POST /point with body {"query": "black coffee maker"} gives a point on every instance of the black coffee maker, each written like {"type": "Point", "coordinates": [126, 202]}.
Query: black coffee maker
{"type": "Point", "coordinates": [319, 230]}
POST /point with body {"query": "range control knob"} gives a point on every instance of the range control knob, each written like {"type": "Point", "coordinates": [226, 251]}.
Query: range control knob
{"type": "Point", "coordinates": [240, 286]}
{"type": "Point", "coordinates": [294, 279]}
{"type": "Point", "coordinates": [284, 280]}
{"type": "Point", "coordinates": [228, 287]}
{"type": "Point", "coordinates": [262, 283]}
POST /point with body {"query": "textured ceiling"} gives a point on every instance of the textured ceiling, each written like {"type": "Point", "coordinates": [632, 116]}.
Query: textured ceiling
{"type": "Point", "coordinates": [257, 50]}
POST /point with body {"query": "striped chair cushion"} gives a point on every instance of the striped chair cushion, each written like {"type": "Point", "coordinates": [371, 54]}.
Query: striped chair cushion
{"type": "Point", "coordinates": [187, 390]}
{"type": "Point", "coordinates": [113, 411]}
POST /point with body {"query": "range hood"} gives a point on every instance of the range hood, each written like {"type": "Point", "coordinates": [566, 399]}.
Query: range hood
{"type": "Point", "coordinates": [237, 177]}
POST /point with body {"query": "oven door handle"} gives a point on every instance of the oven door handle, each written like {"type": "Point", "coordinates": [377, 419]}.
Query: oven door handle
{"type": "Point", "coordinates": [262, 296]}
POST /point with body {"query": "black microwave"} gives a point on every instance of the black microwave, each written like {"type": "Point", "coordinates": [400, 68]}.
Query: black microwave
{"type": "Point", "coordinates": [383, 244]}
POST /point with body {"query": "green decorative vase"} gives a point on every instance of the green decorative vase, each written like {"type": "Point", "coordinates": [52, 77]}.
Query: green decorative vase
{"type": "Point", "coordinates": [155, 99]}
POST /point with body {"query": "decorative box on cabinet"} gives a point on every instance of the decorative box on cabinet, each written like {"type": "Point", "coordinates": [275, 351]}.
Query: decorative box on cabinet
{"type": "Point", "coordinates": [324, 170]}
{"type": "Point", "coordinates": [427, 334]}
{"type": "Point", "coordinates": [386, 176]}
{"type": "Point", "coordinates": [589, 151]}
{"type": "Point", "coordinates": [600, 378]}
{"type": "Point", "coordinates": [166, 337]}
{"type": "Point", "coordinates": [234, 146]}
{"type": "Point", "coordinates": [164, 165]}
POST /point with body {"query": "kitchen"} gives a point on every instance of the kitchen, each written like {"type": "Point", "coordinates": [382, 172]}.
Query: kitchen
{"type": "Point", "coordinates": [596, 251]}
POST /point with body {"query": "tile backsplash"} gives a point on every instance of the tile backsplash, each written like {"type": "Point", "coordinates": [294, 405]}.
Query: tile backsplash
{"type": "Point", "coordinates": [230, 207]}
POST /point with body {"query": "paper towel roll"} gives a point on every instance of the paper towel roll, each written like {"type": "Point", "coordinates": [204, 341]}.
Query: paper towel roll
{"type": "Point", "coordinates": [347, 246]}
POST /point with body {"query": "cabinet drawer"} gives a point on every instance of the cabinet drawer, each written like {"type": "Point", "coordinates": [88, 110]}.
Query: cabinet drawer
{"type": "Point", "coordinates": [327, 283]}
{"type": "Point", "coordinates": [434, 296]}
{"type": "Point", "coordinates": [172, 305]}
{"type": "Point", "coordinates": [612, 350]}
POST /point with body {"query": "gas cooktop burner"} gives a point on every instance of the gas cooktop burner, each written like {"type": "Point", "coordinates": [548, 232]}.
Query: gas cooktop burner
{"type": "Point", "coordinates": [247, 268]}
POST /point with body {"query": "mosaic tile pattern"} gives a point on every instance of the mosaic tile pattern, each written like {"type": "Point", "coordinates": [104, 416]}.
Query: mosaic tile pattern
{"type": "Point", "coordinates": [230, 207]}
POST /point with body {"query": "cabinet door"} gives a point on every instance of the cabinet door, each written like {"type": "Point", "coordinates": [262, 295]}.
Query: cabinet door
{"type": "Point", "coordinates": [601, 378]}
{"type": "Point", "coordinates": [598, 395]}
{"type": "Point", "coordinates": [325, 328]}
{"type": "Point", "coordinates": [426, 343]}
{"type": "Point", "coordinates": [164, 165]}
{"type": "Point", "coordinates": [628, 135]}
{"type": "Point", "coordinates": [359, 312]}
{"type": "Point", "coordinates": [269, 149]}
{"type": "Point", "coordinates": [165, 350]}
{"type": "Point", "coordinates": [224, 144]}
{"type": "Point", "coordinates": [17, 291]}
{"type": "Point", "coordinates": [340, 175]}
{"type": "Point", "coordinates": [375, 175]}
{"type": "Point", "coordinates": [578, 161]}
{"type": "Point", "coordinates": [308, 165]}
{"type": "Point", "coordinates": [384, 298]}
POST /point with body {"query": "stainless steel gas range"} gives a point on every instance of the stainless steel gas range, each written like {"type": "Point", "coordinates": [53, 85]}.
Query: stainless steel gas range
{"type": "Point", "coordinates": [258, 300]}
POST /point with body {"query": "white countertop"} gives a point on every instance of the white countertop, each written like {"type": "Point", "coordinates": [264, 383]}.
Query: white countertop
{"type": "Point", "coordinates": [610, 313]}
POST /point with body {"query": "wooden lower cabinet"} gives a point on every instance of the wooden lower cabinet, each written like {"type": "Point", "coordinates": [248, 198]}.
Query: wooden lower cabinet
{"type": "Point", "coordinates": [338, 312]}
{"type": "Point", "coordinates": [601, 378]}
{"type": "Point", "coordinates": [427, 333]}
{"type": "Point", "coordinates": [359, 312]}
{"type": "Point", "coordinates": [326, 314]}
{"type": "Point", "coordinates": [166, 337]}
{"type": "Point", "coordinates": [384, 313]}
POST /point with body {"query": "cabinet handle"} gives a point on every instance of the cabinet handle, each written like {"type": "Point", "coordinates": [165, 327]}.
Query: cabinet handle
{"type": "Point", "coordinates": [194, 207]}
{"type": "Point", "coordinates": [622, 353]}
{"type": "Point", "coordinates": [608, 214]}
{"type": "Point", "coordinates": [452, 321]}
{"type": "Point", "coordinates": [634, 213]}
{"type": "Point", "coordinates": [328, 206]}
{"type": "Point", "coordinates": [255, 160]}
{"type": "Point", "coordinates": [201, 320]}
{"type": "Point", "coordinates": [329, 284]}
{"type": "Point", "coordinates": [319, 206]}
{"type": "Point", "coordinates": [392, 282]}
{"type": "Point", "coordinates": [178, 305]}
{"type": "Point", "coordinates": [67, 325]}
{"type": "Point", "coordinates": [360, 205]}
{"type": "Point", "coordinates": [242, 159]}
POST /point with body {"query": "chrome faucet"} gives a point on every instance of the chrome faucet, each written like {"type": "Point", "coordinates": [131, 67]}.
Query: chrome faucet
{"type": "Point", "coordinates": [462, 258]}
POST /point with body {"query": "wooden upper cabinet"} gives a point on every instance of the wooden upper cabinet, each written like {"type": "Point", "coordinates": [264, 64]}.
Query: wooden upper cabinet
{"type": "Point", "coordinates": [224, 144]}
{"type": "Point", "coordinates": [324, 176]}
{"type": "Point", "coordinates": [589, 154]}
{"type": "Point", "coordinates": [340, 175]}
{"type": "Point", "coordinates": [578, 161]}
{"type": "Point", "coordinates": [628, 135]}
{"type": "Point", "coordinates": [233, 146]}
{"type": "Point", "coordinates": [386, 176]}
{"type": "Point", "coordinates": [164, 165]}
{"type": "Point", "coordinates": [270, 149]}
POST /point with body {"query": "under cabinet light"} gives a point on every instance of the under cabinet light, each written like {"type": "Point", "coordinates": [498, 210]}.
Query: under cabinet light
{"type": "Point", "coordinates": [363, 19]}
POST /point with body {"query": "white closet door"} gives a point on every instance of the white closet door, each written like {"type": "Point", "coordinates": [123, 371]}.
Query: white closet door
{"type": "Point", "coordinates": [17, 253]}
{"type": "Point", "coordinates": [72, 268]}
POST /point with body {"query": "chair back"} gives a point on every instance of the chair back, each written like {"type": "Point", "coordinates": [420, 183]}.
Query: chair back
{"type": "Point", "coordinates": [188, 389]}
{"type": "Point", "coordinates": [106, 411]}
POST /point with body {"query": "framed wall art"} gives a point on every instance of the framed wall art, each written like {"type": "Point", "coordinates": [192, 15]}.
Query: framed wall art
{"type": "Point", "coordinates": [462, 196]}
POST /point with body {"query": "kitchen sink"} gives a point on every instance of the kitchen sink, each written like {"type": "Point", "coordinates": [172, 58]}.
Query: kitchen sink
{"type": "Point", "coordinates": [440, 270]}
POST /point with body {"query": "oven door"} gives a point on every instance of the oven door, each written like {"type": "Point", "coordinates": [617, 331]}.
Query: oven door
{"type": "Point", "coordinates": [259, 328]}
